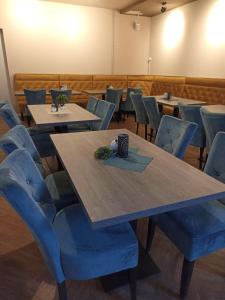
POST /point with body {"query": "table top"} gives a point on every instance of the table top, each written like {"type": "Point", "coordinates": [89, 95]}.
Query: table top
{"type": "Point", "coordinates": [174, 101]}
{"type": "Point", "coordinates": [21, 93]}
{"type": "Point", "coordinates": [98, 91]}
{"type": "Point", "coordinates": [72, 113]}
{"type": "Point", "coordinates": [111, 195]}
{"type": "Point", "coordinates": [217, 109]}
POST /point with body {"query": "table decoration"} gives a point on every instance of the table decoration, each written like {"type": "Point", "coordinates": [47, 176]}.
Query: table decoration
{"type": "Point", "coordinates": [123, 145]}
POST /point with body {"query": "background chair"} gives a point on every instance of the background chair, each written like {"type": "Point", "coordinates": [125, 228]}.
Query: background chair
{"type": "Point", "coordinates": [92, 104]}
{"type": "Point", "coordinates": [40, 137]}
{"type": "Point", "coordinates": [71, 249]}
{"type": "Point", "coordinates": [126, 106]}
{"type": "Point", "coordinates": [174, 135]}
{"type": "Point", "coordinates": [197, 230]}
{"type": "Point", "coordinates": [192, 113]}
{"type": "Point", "coordinates": [141, 115]}
{"type": "Point", "coordinates": [104, 111]}
{"type": "Point", "coordinates": [114, 96]}
{"type": "Point", "coordinates": [33, 97]}
{"type": "Point", "coordinates": [213, 123]}
{"type": "Point", "coordinates": [153, 114]}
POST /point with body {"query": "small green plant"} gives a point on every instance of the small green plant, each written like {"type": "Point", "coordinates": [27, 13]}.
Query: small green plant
{"type": "Point", "coordinates": [103, 153]}
{"type": "Point", "coordinates": [62, 99]}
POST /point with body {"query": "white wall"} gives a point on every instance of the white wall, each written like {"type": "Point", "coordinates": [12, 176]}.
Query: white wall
{"type": "Point", "coordinates": [5, 93]}
{"type": "Point", "coordinates": [190, 40]}
{"type": "Point", "coordinates": [49, 37]}
{"type": "Point", "coordinates": [131, 47]}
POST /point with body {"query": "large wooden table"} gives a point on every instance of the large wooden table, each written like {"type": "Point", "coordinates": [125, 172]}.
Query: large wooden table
{"type": "Point", "coordinates": [74, 93]}
{"type": "Point", "coordinates": [174, 101]}
{"type": "Point", "coordinates": [73, 113]}
{"type": "Point", "coordinates": [110, 195]}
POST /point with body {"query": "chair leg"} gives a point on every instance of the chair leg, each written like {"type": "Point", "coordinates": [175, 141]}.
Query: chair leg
{"type": "Point", "coordinates": [201, 158]}
{"type": "Point", "coordinates": [151, 134]}
{"type": "Point", "coordinates": [137, 128]}
{"type": "Point", "coordinates": [62, 290]}
{"type": "Point", "coordinates": [150, 234]}
{"type": "Point", "coordinates": [28, 121]}
{"type": "Point", "coordinates": [187, 271]}
{"type": "Point", "coordinates": [146, 131]}
{"type": "Point", "coordinates": [133, 283]}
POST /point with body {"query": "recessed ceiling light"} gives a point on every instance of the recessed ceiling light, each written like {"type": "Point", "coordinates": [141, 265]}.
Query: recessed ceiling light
{"type": "Point", "coordinates": [134, 12]}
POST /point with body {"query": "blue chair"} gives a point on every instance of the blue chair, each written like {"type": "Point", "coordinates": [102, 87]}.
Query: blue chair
{"type": "Point", "coordinates": [55, 93]}
{"type": "Point", "coordinates": [114, 96]}
{"type": "Point", "coordinates": [197, 230]}
{"type": "Point", "coordinates": [33, 97]}
{"type": "Point", "coordinates": [40, 137]}
{"type": "Point", "coordinates": [192, 113]}
{"type": "Point", "coordinates": [92, 104]}
{"type": "Point", "coordinates": [71, 249]}
{"type": "Point", "coordinates": [141, 115]}
{"type": "Point", "coordinates": [174, 135]}
{"type": "Point", "coordinates": [3, 102]}
{"type": "Point", "coordinates": [154, 116]}
{"type": "Point", "coordinates": [213, 123]}
{"type": "Point", "coordinates": [58, 183]}
{"type": "Point", "coordinates": [104, 111]}
{"type": "Point", "coordinates": [127, 105]}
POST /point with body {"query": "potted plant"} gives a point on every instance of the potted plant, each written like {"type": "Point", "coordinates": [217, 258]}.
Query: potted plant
{"type": "Point", "coordinates": [62, 99]}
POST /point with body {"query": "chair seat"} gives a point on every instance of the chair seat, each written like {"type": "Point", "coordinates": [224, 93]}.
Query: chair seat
{"type": "Point", "coordinates": [61, 189]}
{"type": "Point", "coordinates": [88, 253]}
{"type": "Point", "coordinates": [196, 230]}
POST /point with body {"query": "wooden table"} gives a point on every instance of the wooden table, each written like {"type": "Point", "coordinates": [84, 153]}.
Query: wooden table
{"type": "Point", "coordinates": [21, 93]}
{"type": "Point", "coordinates": [73, 113]}
{"type": "Point", "coordinates": [174, 103]}
{"type": "Point", "coordinates": [111, 195]}
{"type": "Point", "coordinates": [95, 92]}
{"type": "Point", "coordinates": [215, 109]}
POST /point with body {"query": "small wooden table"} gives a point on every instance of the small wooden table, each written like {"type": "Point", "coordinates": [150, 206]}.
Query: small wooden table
{"type": "Point", "coordinates": [73, 113]}
{"type": "Point", "coordinates": [174, 103]}
{"type": "Point", "coordinates": [215, 109]}
{"type": "Point", "coordinates": [102, 92]}
{"type": "Point", "coordinates": [21, 93]}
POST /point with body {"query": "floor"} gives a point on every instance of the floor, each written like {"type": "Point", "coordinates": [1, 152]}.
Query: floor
{"type": "Point", "coordinates": [24, 276]}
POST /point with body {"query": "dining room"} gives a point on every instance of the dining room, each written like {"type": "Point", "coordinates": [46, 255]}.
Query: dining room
{"type": "Point", "coordinates": [112, 143]}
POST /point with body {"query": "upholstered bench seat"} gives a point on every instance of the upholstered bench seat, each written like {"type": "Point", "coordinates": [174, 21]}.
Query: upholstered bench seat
{"type": "Point", "coordinates": [115, 247]}
{"type": "Point", "coordinates": [196, 230]}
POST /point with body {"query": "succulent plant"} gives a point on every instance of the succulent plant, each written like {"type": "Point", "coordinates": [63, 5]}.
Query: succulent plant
{"type": "Point", "coordinates": [103, 153]}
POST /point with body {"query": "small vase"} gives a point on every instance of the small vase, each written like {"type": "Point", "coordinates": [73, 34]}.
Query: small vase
{"type": "Point", "coordinates": [123, 145]}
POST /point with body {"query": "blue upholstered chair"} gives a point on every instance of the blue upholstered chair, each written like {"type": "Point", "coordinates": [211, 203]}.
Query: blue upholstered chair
{"type": "Point", "coordinates": [104, 111]}
{"type": "Point", "coordinates": [197, 230]}
{"type": "Point", "coordinates": [174, 135]}
{"type": "Point", "coordinates": [213, 123]}
{"type": "Point", "coordinates": [192, 113]}
{"type": "Point", "coordinates": [40, 137]}
{"type": "Point", "coordinates": [114, 96]}
{"type": "Point", "coordinates": [56, 93]}
{"type": "Point", "coordinates": [92, 104]}
{"type": "Point", "coordinates": [127, 106]}
{"type": "Point", "coordinates": [141, 115]}
{"type": "Point", "coordinates": [71, 249]}
{"type": "Point", "coordinates": [3, 102]}
{"type": "Point", "coordinates": [58, 183]}
{"type": "Point", "coordinates": [33, 97]}
{"type": "Point", "coordinates": [153, 114]}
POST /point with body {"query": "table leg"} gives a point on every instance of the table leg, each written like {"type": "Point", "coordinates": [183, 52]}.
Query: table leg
{"type": "Point", "coordinates": [176, 111]}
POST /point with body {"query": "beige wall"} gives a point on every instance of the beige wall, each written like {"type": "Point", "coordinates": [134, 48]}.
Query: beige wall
{"type": "Point", "coordinates": [49, 37]}
{"type": "Point", "coordinates": [131, 46]}
{"type": "Point", "coordinates": [190, 40]}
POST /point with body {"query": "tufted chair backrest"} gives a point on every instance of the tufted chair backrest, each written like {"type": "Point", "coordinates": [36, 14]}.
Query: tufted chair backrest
{"type": "Point", "coordinates": [152, 111]}
{"type": "Point", "coordinates": [92, 104]}
{"type": "Point", "coordinates": [105, 111]}
{"type": "Point", "coordinates": [141, 115]}
{"type": "Point", "coordinates": [174, 135]}
{"type": "Point", "coordinates": [213, 123]}
{"type": "Point", "coordinates": [19, 138]}
{"type": "Point", "coordinates": [192, 113]}
{"type": "Point", "coordinates": [114, 96]}
{"type": "Point", "coordinates": [8, 114]}
{"type": "Point", "coordinates": [23, 187]}
{"type": "Point", "coordinates": [35, 96]}
{"type": "Point", "coordinates": [129, 104]}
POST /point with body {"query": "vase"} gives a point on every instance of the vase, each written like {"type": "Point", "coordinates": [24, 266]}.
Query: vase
{"type": "Point", "coordinates": [123, 145]}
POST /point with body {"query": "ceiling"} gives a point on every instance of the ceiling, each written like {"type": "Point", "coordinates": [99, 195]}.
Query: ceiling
{"type": "Point", "coordinates": [147, 7]}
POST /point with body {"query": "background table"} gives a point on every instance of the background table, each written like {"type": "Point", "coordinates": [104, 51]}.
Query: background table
{"type": "Point", "coordinates": [215, 109]}
{"type": "Point", "coordinates": [102, 92]}
{"type": "Point", "coordinates": [21, 93]}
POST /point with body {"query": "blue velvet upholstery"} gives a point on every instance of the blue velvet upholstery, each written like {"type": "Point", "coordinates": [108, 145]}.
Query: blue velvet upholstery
{"type": "Point", "coordinates": [213, 123]}
{"type": "Point", "coordinates": [56, 92]}
{"type": "Point", "coordinates": [72, 250]}
{"type": "Point", "coordinates": [105, 111]}
{"type": "Point", "coordinates": [35, 96]}
{"type": "Point", "coordinates": [127, 106]}
{"type": "Point", "coordinates": [141, 115]}
{"type": "Point", "coordinates": [40, 137]}
{"type": "Point", "coordinates": [174, 135]}
{"type": "Point", "coordinates": [191, 113]}
{"type": "Point", "coordinates": [199, 230]}
{"type": "Point", "coordinates": [152, 111]}
{"type": "Point", "coordinates": [92, 104]}
{"type": "Point", "coordinates": [114, 96]}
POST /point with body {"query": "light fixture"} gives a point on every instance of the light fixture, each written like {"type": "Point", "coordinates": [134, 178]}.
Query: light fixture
{"type": "Point", "coordinates": [137, 24]}
{"type": "Point", "coordinates": [164, 7]}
